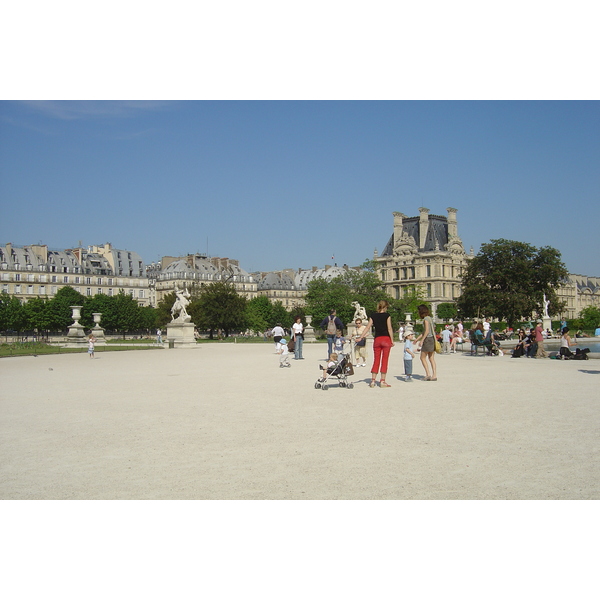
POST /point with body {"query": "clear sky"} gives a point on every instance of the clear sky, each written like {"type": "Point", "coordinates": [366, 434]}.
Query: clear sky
{"type": "Point", "coordinates": [280, 184]}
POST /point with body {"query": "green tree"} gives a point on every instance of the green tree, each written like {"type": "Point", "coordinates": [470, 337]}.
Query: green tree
{"type": "Point", "coordinates": [589, 318]}
{"type": "Point", "coordinates": [446, 311]}
{"type": "Point", "coordinates": [37, 314]}
{"type": "Point", "coordinates": [219, 306]}
{"type": "Point", "coordinates": [59, 308]}
{"type": "Point", "coordinates": [128, 311]}
{"type": "Point", "coordinates": [281, 315]}
{"type": "Point", "coordinates": [148, 314]}
{"type": "Point", "coordinates": [163, 310]}
{"type": "Point", "coordinates": [363, 286]}
{"type": "Point", "coordinates": [507, 280]}
{"type": "Point", "coordinates": [101, 303]}
{"type": "Point", "coordinates": [12, 313]}
{"type": "Point", "coordinates": [259, 314]}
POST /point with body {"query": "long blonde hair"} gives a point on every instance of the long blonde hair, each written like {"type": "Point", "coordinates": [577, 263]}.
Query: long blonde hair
{"type": "Point", "coordinates": [382, 305]}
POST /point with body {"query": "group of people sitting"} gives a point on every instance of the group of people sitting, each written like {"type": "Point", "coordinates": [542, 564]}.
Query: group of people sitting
{"type": "Point", "coordinates": [528, 346]}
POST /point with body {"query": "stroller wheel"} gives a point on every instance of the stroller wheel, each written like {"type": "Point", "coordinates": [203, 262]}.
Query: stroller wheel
{"type": "Point", "coordinates": [342, 384]}
{"type": "Point", "coordinates": [350, 386]}
{"type": "Point", "coordinates": [325, 387]}
{"type": "Point", "coordinates": [317, 386]}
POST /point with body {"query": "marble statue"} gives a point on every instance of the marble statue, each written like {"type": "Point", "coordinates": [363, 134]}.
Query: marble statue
{"type": "Point", "coordinates": [179, 306]}
{"type": "Point", "coordinates": [359, 312]}
{"type": "Point", "coordinates": [546, 304]}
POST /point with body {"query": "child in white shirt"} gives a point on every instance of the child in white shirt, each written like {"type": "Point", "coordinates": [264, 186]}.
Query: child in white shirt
{"type": "Point", "coordinates": [408, 356]}
{"type": "Point", "coordinates": [284, 357]}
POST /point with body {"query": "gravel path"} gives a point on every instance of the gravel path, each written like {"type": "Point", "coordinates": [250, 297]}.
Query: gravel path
{"type": "Point", "coordinates": [223, 421]}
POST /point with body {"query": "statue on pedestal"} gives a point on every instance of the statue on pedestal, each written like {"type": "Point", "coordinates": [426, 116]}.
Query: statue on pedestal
{"type": "Point", "coordinates": [179, 307]}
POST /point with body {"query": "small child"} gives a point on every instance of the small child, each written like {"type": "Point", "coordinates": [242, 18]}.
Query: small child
{"type": "Point", "coordinates": [91, 343]}
{"type": "Point", "coordinates": [408, 356]}
{"type": "Point", "coordinates": [333, 357]}
{"type": "Point", "coordinates": [338, 342]}
{"type": "Point", "coordinates": [284, 357]}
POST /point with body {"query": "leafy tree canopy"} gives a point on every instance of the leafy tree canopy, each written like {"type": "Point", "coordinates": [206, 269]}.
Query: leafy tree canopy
{"type": "Point", "coordinates": [589, 318]}
{"type": "Point", "coordinates": [219, 306]}
{"type": "Point", "coordinates": [446, 311]}
{"type": "Point", "coordinates": [507, 280]}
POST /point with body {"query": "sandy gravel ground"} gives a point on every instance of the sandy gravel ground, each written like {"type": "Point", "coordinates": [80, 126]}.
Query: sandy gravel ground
{"type": "Point", "coordinates": [225, 422]}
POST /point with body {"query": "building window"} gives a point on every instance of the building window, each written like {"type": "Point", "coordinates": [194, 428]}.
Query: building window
{"type": "Point", "coordinates": [53, 290]}
{"type": "Point", "coordinates": [88, 291]}
{"type": "Point", "coordinates": [42, 290]}
{"type": "Point", "coordinates": [66, 279]}
{"type": "Point", "coordinates": [77, 279]}
{"type": "Point", "coordinates": [17, 277]}
{"type": "Point", "coordinates": [110, 281]}
{"type": "Point", "coordinates": [141, 294]}
{"type": "Point", "coordinates": [110, 292]}
{"type": "Point", "coordinates": [30, 289]}
{"type": "Point", "coordinates": [99, 280]}
{"type": "Point", "coordinates": [99, 290]}
{"type": "Point", "coordinates": [5, 288]}
{"type": "Point", "coordinates": [88, 281]}
{"type": "Point", "coordinates": [429, 290]}
{"type": "Point", "coordinates": [428, 270]}
{"type": "Point", "coordinates": [17, 289]}
{"type": "Point", "coordinates": [31, 277]}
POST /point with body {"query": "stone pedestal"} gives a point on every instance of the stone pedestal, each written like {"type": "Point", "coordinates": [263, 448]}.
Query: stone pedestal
{"type": "Point", "coordinates": [98, 331]}
{"type": "Point", "coordinates": [309, 332]}
{"type": "Point", "coordinates": [547, 323]}
{"type": "Point", "coordinates": [181, 335]}
{"type": "Point", "coordinates": [76, 337]}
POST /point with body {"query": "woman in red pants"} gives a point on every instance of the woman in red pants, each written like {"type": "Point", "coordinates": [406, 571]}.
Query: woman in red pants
{"type": "Point", "coordinates": [383, 343]}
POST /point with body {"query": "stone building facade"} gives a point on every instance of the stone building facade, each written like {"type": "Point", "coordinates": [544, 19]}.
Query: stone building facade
{"type": "Point", "coordinates": [35, 271]}
{"type": "Point", "coordinates": [289, 286]}
{"type": "Point", "coordinates": [197, 270]}
{"type": "Point", "coordinates": [424, 252]}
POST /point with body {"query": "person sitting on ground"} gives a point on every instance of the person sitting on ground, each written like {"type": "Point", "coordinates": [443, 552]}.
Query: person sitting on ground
{"type": "Point", "coordinates": [530, 344]}
{"type": "Point", "coordinates": [565, 344]}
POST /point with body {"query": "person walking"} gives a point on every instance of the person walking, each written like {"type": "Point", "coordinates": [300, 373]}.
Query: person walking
{"type": "Point", "coordinates": [330, 325]}
{"type": "Point", "coordinates": [91, 345]}
{"type": "Point", "coordinates": [360, 348]}
{"type": "Point", "coordinates": [278, 334]}
{"type": "Point", "coordinates": [383, 343]}
{"type": "Point", "coordinates": [427, 345]}
{"type": "Point", "coordinates": [298, 337]}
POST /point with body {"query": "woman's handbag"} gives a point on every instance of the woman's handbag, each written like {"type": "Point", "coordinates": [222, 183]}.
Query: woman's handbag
{"type": "Point", "coordinates": [438, 347]}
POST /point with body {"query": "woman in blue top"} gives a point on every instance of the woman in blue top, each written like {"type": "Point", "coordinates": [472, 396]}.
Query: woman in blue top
{"type": "Point", "coordinates": [383, 343]}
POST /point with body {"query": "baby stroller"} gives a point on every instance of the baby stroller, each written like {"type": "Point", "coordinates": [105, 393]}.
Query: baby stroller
{"type": "Point", "coordinates": [341, 371]}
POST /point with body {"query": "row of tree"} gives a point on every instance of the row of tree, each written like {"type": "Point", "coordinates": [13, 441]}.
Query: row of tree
{"type": "Point", "coordinates": [120, 313]}
{"type": "Point", "coordinates": [506, 281]}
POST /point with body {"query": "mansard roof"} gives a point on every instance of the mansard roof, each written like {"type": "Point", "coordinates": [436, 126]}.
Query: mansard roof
{"type": "Point", "coordinates": [435, 239]}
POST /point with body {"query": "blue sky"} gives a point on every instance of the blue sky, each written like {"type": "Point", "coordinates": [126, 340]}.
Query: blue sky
{"type": "Point", "coordinates": [280, 184]}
